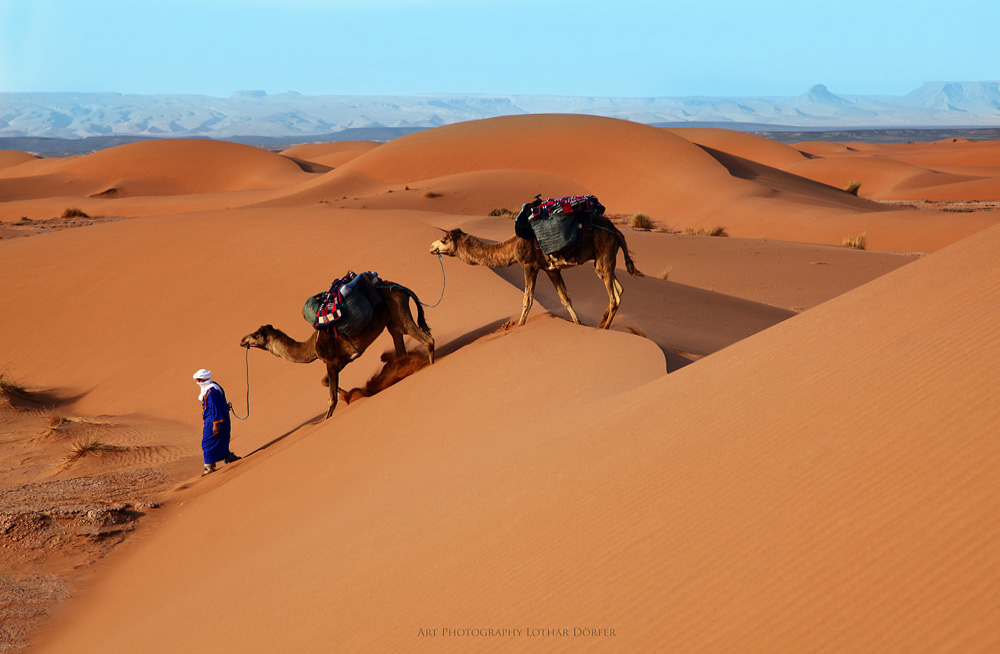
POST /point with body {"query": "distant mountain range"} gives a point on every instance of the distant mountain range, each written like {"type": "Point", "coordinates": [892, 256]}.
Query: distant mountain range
{"type": "Point", "coordinates": [294, 116]}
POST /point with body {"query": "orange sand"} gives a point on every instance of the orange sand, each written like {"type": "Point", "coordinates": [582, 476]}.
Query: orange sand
{"type": "Point", "coordinates": [816, 472]}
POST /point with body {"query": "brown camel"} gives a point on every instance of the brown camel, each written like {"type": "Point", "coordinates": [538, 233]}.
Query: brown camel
{"type": "Point", "coordinates": [393, 313]}
{"type": "Point", "coordinates": [599, 244]}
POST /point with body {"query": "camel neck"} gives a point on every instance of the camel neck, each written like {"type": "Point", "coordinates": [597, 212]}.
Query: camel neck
{"type": "Point", "coordinates": [282, 345]}
{"type": "Point", "coordinates": [495, 255]}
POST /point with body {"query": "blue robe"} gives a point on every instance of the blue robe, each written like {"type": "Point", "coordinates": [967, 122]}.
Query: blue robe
{"type": "Point", "coordinates": [214, 408]}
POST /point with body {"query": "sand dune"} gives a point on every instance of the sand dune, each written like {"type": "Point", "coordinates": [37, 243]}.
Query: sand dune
{"type": "Point", "coordinates": [784, 445]}
{"type": "Point", "coordinates": [540, 144]}
{"type": "Point", "coordinates": [838, 506]}
{"type": "Point", "coordinates": [162, 167]}
{"type": "Point", "coordinates": [9, 158]}
{"type": "Point", "coordinates": [330, 154]}
{"type": "Point", "coordinates": [748, 146]}
{"type": "Point", "coordinates": [753, 187]}
{"type": "Point", "coordinates": [940, 171]}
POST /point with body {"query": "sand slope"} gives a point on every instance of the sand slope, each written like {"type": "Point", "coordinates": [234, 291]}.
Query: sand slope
{"type": "Point", "coordinates": [161, 167]}
{"type": "Point", "coordinates": [786, 445]}
{"type": "Point", "coordinates": [329, 154]}
{"type": "Point", "coordinates": [846, 504]}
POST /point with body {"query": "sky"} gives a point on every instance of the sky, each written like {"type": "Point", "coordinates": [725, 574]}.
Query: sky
{"type": "Point", "coordinates": [621, 48]}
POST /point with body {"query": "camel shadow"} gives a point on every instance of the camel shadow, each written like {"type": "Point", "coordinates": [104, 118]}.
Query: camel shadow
{"type": "Point", "coordinates": [470, 337]}
{"type": "Point", "coordinates": [315, 420]}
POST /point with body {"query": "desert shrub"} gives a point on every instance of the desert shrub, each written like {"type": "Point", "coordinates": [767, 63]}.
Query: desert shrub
{"type": "Point", "coordinates": [431, 194]}
{"type": "Point", "coordinates": [856, 242]}
{"type": "Point", "coordinates": [88, 444]}
{"type": "Point", "coordinates": [853, 186]}
{"type": "Point", "coordinates": [717, 230]}
{"type": "Point", "coordinates": [57, 421]}
{"type": "Point", "coordinates": [73, 212]}
{"type": "Point", "coordinates": [641, 221]}
{"type": "Point", "coordinates": [503, 213]}
{"type": "Point", "coordinates": [8, 385]}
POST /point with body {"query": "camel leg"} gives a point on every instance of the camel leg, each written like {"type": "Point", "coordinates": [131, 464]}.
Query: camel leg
{"type": "Point", "coordinates": [614, 288]}
{"type": "Point", "coordinates": [414, 331]}
{"type": "Point", "coordinates": [556, 277]}
{"type": "Point", "coordinates": [333, 375]}
{"type": "Point", "coordinates": [530, 275]}
{"type": "Point", "coordinates": [397, 341]}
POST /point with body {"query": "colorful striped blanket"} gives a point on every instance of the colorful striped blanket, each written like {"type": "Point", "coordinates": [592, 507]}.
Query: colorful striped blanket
{"type": "Point", "coordinates": [572, 204]}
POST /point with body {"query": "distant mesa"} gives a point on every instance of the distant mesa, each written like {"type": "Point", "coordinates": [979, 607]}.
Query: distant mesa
{"type": "Point", "coordinates": [819, 93]}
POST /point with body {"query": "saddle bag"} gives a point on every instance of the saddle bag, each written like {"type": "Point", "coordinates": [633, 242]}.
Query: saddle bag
{"type": "Point", "coordinates": [347, 307]}
{"type": "Point", "coordinates": [557, 223]}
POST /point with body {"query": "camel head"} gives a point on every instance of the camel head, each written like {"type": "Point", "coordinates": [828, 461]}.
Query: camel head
{"type": "Point", "coordinates": [259, 338]}
{"type": "Point", "coordinates": [446, 245]}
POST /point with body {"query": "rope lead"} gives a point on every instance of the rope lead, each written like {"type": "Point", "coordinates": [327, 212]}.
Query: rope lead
{"type": "Point", "coordinates": [443, 282]}
{"type": "Point", "coordinates": [247, 358]}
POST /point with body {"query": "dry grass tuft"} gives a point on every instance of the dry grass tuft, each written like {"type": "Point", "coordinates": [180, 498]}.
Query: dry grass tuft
{"type": "Point", "coordinates": [856, 242]}
{"type": "Point", "coordinates": [853, 186]}
{"type": "Point", "coordinates": [57, 421]}
{"type": "Point", "coordinates": [666, 272]}
{"type": "Point", "coordinates": [90, 444]}
{"type": "Point", "coordinates": [632, 329]}
{"type": "Point", "coordinates": [10, 387]}
{"type": "Point", "coordinates": [73, 212]}
{"type": "Point", "coordinates": [641, 221]}
{"type": "Point", "coordinates": [717, 230]}
{"type": "Point", "coordinates": [503, 213]}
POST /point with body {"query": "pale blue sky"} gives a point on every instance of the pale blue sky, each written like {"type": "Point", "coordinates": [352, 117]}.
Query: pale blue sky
{"type": "Point", "coordinates": [571, 47]}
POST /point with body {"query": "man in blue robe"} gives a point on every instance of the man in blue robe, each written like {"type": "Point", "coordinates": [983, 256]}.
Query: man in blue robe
{"type": "Point", "coordinates": [218, 428]}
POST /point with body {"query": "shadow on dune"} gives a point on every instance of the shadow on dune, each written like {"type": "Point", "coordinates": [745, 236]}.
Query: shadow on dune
{"type": "Point", "coordinates": [589, 302]}
{"type": "Point", "coordinates": [277, 439]}
{"type": "Point", "coordinates": [468, 338]}
{"type": "Point", "coordinates": [38, 400]}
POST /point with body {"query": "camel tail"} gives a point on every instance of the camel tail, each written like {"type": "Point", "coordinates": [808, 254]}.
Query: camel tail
{"type": "Point", "coordinates": [629, 264]}
{"type": "Point", "coordinates": [420, 309]}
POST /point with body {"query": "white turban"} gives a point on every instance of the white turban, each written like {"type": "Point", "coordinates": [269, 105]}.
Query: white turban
{"type": "Point", "coordinates": [204, 379]}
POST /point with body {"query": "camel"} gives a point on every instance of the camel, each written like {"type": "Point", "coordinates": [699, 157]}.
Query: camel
{"type": "Point", "coordinates": [599, 244]}
{"type": "Point", "coordinates": [392, 314]}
